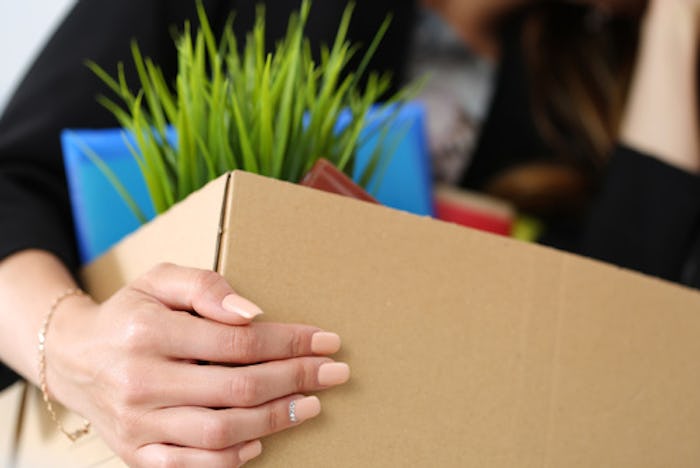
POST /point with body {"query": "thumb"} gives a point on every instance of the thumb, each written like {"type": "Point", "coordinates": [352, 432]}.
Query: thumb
{"type": "Point", "coordinates": [202, 291]}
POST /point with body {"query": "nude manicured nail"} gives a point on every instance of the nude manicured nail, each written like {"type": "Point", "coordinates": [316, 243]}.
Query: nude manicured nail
{"type": "Point", "coordinates": [250, 451]}
{"type": "Point", "coordinates": [325, 343]}
{"type": "Point", "coordinates": [238, 305]}
{"type": "Point", "coordinates": [306, 408]}
{"type": "Point", "coordinates": [334, 373]}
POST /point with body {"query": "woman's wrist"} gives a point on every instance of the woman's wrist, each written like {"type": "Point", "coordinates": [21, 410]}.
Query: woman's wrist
{"type": "Point", "coordinates": [67, 348]}
{"type": "Point", "coordinates": [29, 281]}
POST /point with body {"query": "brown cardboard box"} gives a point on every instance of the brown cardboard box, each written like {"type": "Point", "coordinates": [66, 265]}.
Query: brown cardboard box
{"type": "Point", "coordinates": [467, 349]}
{"type": "Point", "coordinates": [11, 401]}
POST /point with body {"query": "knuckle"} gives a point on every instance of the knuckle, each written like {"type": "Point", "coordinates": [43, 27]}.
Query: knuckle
{"type": "Point", "coordinates": [146, 281]}
{"type": "Point", "coordinates": [226, 341]}
{"type": "Point", "coordinates": [126, 426]}
{"type": "Point", "coordinates": [168, 459]}
{"type": "Point", "coordinates": [203, 281]}
{"type": "Point", "coordinates": [301, 376]}
{"type": "Point", "coordinates": [159, 269]}
{"type": "Point", "coordinates": [137, 333]}
{"type": "Point", "coordinates": [244, 390]}
{"type": "Point", "coordinates": [130, 385]}
{"type": "Point", "coordinates": [275, 422]}
{"type": "Point", "coordinates": [245, 344]}
{"type": "Point", "coordinates": [153, 455]}
{"type": "Point", "coordinates": [297, 344]}
{"type": "Point", "coordinates": [215, 433]}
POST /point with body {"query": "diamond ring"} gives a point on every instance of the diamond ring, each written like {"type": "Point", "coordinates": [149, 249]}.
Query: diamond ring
{"type": "Point", "coordinates": [292, 411]}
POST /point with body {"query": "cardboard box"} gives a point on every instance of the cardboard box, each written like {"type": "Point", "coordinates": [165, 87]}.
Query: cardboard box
{"type": "Point", "coordinates": [36, 441]}
{"type": "Point", "coordinates": [467, 349]}
{"type": "Point", "coordinates": [11, 402]}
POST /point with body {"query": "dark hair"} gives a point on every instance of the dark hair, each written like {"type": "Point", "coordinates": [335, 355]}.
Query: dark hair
{"type": "Point", "coordinates": [580, 63]}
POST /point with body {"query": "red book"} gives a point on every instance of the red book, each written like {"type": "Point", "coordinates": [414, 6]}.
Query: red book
{"type": "Point", "coordinates": [474, 210]}
{"type": "Point", "coordinates": [325, 176]}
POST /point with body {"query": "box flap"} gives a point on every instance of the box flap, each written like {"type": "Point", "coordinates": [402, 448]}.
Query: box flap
{"type": "Point", "coordinates": [187, 234]}
{"type": "Point", "coordinates": [467, 349]}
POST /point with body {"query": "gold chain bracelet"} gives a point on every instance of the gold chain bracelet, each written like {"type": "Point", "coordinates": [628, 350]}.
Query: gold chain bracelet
{"type": "Point", "coordinates": [77, 434]}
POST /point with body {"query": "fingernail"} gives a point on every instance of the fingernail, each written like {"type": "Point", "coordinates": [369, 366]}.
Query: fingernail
{"type": "Point", "coordinates": [250, 451]}
{"type": "Point", "coordinates": [325, 343]}
{"type": "Point", "coordinates": [305, 408]}
{"type": "Point", "coordinates": [238, 305]}
{"type": "Point", "coordinates": [334, 373]}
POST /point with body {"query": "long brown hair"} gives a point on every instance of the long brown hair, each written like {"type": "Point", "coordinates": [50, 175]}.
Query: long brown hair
{"type": "Point", "coordinates": [580, 63]}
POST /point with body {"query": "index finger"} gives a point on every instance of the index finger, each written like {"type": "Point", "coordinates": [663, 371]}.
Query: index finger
{"type": "Point", "coordinates": [188, 337]}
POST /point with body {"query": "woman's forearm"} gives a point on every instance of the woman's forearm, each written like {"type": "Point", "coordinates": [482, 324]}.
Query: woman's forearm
{"type": "Point", "coordinates": [661, 118]}
{"type": "Point", "coordinates": [29, 282]}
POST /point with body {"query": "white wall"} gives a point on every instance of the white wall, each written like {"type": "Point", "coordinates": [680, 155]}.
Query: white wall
{"type": "Point", "coordinates": [24, 27]}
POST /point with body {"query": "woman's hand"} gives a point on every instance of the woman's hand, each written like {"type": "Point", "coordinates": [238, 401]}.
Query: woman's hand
{"type": "Point", "coordinates": [130, 366]}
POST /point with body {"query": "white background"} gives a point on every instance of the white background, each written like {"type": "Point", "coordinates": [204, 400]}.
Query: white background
{"type": "Point", "coordinates": [24, 27]}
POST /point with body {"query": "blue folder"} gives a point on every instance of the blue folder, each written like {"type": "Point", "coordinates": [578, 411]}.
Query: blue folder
{"type": "Point", "coordinates": [102, 217]}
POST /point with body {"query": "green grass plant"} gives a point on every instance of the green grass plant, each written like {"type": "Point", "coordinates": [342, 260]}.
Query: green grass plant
{"type": "Point", "coordinates": [273, 114]}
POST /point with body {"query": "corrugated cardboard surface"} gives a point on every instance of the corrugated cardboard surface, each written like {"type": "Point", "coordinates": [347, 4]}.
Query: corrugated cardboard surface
{"type": "Point", "coordinates": [467, 349]}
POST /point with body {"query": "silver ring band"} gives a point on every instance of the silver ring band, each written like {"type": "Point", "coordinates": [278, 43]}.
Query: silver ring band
{"type": "Point", "coordinates": [292, 411]}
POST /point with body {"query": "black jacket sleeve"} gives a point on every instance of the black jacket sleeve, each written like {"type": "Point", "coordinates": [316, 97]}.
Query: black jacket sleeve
{"type": "Point", "coordinates": [59, 92]}
{"type": "Point", "coordinates": [647, 218]}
